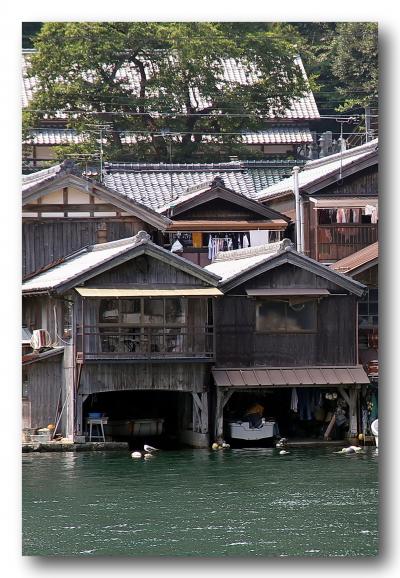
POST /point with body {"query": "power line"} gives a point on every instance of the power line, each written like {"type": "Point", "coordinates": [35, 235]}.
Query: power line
{"type": "Point", "coordinates": [215, 115]}
{"type": "Point", "coordinates": [129, 132]}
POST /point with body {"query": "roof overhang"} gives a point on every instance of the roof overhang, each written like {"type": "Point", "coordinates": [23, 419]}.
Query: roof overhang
{"type": "Point", "coordinates": [34, 357]}
{"type": "Point", "coordinates": [294, 292]}
{"type": "Point", "coordinates": [278, 377]}
{"type": "Point", "coordinates": [351, 203]}
{"type": "Point", "coordinates": [98, 190]}
{"type": "Point", "coordinates": [301, 261]}
{"type": "Point", "coordinates": [225, 194]}
{"type": "Point", "coordinates": [159, 292]}
{"type": "Point", "coordinates": [142, 248]}
{"type": "Point", "coordinates": [216, 226]}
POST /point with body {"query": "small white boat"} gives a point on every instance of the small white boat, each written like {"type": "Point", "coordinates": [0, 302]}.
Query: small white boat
{"type": "Point", "coordinates": [241, 430]}
{"type": "Point", "coordinates": [374, 429]}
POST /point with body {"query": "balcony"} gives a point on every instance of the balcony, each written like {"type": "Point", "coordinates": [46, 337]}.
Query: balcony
{"type": "Point", "coordinates": [120, 342]}
{"type": "Point", "coordinates": [336, 241]}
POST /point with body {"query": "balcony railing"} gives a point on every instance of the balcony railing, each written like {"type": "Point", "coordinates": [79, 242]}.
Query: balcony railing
{"type": "Point", "coordinates": [335, 242]}
{"type": "Point", "coordinates": [145, 342]}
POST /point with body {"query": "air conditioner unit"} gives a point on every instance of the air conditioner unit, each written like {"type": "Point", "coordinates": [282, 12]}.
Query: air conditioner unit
{"type": "Point", "coordinates": [40, 338]}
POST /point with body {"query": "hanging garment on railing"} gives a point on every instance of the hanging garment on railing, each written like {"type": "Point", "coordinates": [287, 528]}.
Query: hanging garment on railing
{"type": "Point", "coordinates": [258, 238]}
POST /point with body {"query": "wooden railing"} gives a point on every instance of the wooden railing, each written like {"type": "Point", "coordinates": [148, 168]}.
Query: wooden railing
{"type": "Point", "coordinates": [144, 342]}
{"type": "Point", "coordinates": [337, 241]}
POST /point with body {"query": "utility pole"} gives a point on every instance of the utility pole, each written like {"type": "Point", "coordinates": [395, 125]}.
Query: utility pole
{"type": "Point", "coordinates": [296, 192]}
{"type": "Point", "coordinates": [367, 123]}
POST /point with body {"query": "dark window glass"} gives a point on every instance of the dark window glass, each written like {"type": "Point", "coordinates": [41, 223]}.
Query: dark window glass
{"type": "Point", "coordinates": [286, 317]}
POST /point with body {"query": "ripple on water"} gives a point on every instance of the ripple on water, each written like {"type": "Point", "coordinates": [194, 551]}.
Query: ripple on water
{"type": "Point", "coordinates": [197, 503]}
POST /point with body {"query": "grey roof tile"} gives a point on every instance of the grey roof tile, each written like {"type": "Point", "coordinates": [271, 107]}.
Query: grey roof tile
{"type": "Point", "coordinates": [156, 185]}
{"type": "Point", "coordinates": [303, 108]}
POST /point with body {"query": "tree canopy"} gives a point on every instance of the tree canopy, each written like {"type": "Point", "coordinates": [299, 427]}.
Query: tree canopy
{"type": "Point", "coordinates": [164, 82]}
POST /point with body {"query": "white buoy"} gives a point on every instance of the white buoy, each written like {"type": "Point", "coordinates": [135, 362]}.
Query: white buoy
{"type": "Point", "coordinates": [351, 450]}
{"type": "Point", "coordinates": [149, 449]}
{"type": "Point", "coordinates": [283, 452]}
{"type": "Point", "coordinates": [136, 454]}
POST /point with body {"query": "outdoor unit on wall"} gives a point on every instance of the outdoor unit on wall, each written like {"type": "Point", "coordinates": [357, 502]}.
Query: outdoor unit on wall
{"type": "Point", "coordinates": [40, 339]}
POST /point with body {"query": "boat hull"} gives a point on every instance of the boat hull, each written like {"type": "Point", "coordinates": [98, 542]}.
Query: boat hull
{"type": "Point", "coordinates": [240, 433]}
{"type": "Point", "coordinates": [375, 432]}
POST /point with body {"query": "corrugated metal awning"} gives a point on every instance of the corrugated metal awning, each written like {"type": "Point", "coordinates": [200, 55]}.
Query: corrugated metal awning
{"type": "Point", "coordinates": [293, 292]}
{"type": "Point", "coordinates": [289, 376]}
{"type": "Point", "coordinates": [190, 292]}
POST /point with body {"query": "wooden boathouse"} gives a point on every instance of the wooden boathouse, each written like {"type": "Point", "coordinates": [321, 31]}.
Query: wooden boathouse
{"type": "Point", "coordinates": [285, 322]}
{"type": "Point", "coordinates": [139, 338]}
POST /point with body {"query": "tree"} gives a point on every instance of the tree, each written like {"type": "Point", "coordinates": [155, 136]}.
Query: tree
{"type": "Point", "coordinates": [177, 101]}
{"type": "Point", "coordinates": [355, 63]}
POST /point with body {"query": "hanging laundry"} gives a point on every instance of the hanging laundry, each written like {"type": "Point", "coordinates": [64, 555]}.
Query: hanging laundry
{"type": "Point", "coordinates": [258, 238]}
{"type": "Point", "coordinates": [177, 247]}
{"type": "Point", "coordinates": [341, 216]}
{"type": "Point", "coordinates": [210, 247]}
{"type": "Point", "coordinates": [197, 240]}
{"type": "Point", "coordinates": [356, 213]}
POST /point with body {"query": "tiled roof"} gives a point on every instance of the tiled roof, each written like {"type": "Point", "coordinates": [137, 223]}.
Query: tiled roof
{"type": "Point", "coordinates": [55, 136]}
{"type": "Point", "coordinates": [156, 185]}
{"type": "Point", "coordinates": [79, 262]}
{"type": "Point", "coordinates": [84, 263]}
{"type": "Point", "coordinates": [273, 135]}
{"type": "Point", "coordinates": [42, 176]}
{"type": "Point", "coordinates": [303, 108]}
{"type": "Point", "coordinates": [230, 263]}
{"type": "Point", "coordinates": [313, 171]}
{"type": "Point", "coordinates": [356, 260]}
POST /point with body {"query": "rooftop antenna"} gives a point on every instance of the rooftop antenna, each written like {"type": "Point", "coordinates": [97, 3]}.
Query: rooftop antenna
{"type": "Point", "coordinates": [347, 120]}
{"type": "Point", "coordinates": [101, 127]}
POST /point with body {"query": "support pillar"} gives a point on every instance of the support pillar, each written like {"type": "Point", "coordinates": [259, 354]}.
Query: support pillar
{"type": "Point", "coordinates": [200, 412]}
{"type": "Point", "coordinates": [353, 429]}
{"type": "Point", "coordinates": [223, 397]}
{"type": "Point", "coordinates": [81, 398]}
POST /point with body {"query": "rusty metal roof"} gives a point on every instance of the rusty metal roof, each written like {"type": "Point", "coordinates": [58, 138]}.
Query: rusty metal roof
{"type": "Point", "coordinates": [356, 260]}
{"type": "Point", "coordinates": [319, 376]}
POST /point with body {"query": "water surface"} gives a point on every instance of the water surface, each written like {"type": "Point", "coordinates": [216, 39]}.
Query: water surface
{"type": "Point", "coordinates": [311, 502]}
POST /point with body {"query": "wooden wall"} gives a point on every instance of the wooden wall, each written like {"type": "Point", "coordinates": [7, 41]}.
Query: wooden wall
{"type": "Point", "coordinates": [98, 377]}
{"type": "Point", "coordinates": [145, 270]}
{"type": "Point", "coordinates": [44, 381]}
{"type": "Point", "coordinates": [44, 241]}
{"type": "Point", "coordinates": [360, 184]}
{"type": "Point", "coordinates": [219, 209]}
{"type": "Point", "coordinates": [239, 345]}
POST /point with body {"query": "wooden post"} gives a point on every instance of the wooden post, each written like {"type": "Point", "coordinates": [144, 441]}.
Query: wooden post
{"type": "Point", "coordinates": [200, 412]}
{"type": "Point", "coordinates": [81, 398]}
{"type": "Point", "coordinates": [353, 429]}
{"type": "Point", "coordinates": [222, 398]}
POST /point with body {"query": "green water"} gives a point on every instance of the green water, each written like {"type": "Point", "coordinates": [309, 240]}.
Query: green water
{"type": "Point", "coordinates": [311, 502]}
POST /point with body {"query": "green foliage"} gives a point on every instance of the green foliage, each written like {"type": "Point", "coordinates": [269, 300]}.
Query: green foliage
{"type": "Point", "coordinates": [78, 67]}
{"type": "Point", "coordinates": [355, 63]}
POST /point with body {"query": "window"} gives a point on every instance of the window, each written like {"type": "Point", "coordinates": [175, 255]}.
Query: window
{"type": "Point", "coordinates": [293, 316]}
{"type": "Point", "coordinates": [142, 325]}
{"type": "Point", "coordinates": [67, 313]}
{"type": "Point", "coordinates": [368, 309]}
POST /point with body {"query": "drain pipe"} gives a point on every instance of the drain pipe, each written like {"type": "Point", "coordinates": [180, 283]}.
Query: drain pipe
{"type": "Point", "coordinates": [299, 209]}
